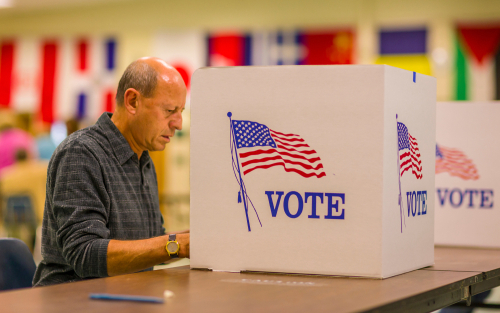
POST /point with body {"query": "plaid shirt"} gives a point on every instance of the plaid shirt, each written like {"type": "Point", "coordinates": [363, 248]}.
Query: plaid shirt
{"type": "Point", "coordinates": [97, 190]}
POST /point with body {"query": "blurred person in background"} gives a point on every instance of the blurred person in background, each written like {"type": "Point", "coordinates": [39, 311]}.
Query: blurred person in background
{"type": "Point", "coordinates": [22, 186]}
{"type": "Point", "coordinates": [44, 142]}
{"type": "Point", "coordinates": [13, 139]}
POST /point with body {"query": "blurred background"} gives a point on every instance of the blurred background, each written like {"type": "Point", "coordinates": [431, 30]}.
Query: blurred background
{"type": "Point", "coordinates": [60, 61]}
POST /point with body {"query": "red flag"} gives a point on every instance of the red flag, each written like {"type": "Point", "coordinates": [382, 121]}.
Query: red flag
{"type": "Point", "coordinates": [226, 50]}
{"type": "Point", "coordinates": [328, 47]}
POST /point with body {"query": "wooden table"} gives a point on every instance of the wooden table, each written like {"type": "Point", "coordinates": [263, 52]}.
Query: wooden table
{"type": "Point", "coordinates": [485, 261]}
{"type": "Point", "coordinates": [454, 275]}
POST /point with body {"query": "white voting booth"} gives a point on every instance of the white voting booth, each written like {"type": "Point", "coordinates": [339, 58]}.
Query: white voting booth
{"type": "Point", "coordinates": [300, 169]}
{"type": "Point", "coordinates": [467, 174]}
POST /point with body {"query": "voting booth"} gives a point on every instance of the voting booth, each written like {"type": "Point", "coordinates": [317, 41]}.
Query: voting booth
{"type": "Point", "coordinates": [467, 174]}
{"type": "Point", "coordinates": [312, 169]}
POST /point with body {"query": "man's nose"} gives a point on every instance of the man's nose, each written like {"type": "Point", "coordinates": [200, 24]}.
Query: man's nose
{"type": "Point", "coordinates": [176, 122]}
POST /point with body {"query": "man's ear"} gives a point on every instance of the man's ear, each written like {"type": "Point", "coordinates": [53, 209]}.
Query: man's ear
{"type": "Point", "coordinates": [130, 100]}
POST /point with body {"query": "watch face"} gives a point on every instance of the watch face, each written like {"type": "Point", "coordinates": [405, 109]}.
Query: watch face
{"type": "Point", "coordinates": [172, 247]}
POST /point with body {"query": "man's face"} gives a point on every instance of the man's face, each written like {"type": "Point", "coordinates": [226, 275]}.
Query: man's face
{"type": "Point", "coordinates": [160, 116]}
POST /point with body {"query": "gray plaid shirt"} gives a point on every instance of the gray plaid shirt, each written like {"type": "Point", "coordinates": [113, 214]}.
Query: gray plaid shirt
{"type": "Point", "coordinates": [97, 190]}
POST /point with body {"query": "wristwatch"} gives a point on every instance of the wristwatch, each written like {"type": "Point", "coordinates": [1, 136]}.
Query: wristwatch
{"type": "Point", "coordinates": [172, 246]}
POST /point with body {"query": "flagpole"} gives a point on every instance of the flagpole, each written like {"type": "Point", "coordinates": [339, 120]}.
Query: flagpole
{"type": "Point", "coordinates": [243, 192]}
{"type": "Point", "coordinates": [399, 178]}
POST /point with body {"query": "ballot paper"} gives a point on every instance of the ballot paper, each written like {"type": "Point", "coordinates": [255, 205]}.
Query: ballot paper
{"type": "Point", "coordinates": [312, 169]}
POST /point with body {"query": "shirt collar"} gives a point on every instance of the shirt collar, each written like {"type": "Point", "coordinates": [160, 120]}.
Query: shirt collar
{"type": "Point", "coordinates": [119, 144]}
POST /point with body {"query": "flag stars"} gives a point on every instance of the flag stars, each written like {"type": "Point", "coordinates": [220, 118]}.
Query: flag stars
{"type": "Point", "coordinates": [251, 134]}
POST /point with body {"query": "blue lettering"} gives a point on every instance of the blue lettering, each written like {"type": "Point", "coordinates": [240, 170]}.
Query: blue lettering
{"type": "Point", "coordinates": [417, 200]}
{"type": "Point", "coordinates": [299, 209]}
{"type": "Point", "coordinates": [458, 197]}
{"type": "Point", "coordinates": [485, 199]}
{"type": "Point", "coordinates": [313, 204]}
{"type": "Point", "coordinates": [442, 198]}
{"type": "Point", "coordinates": [414, 204]}
{"type": "Point", "coordinates": [454, 191]}
{"type": "Point", "coordinates": [471, 193]}
{"type": "Point", "coordinates": [274, 209]}
{"type": "Point", "coordinates": [409, 201]}
{"type": "Point", "coordinates": [424, 198]}
{"type": "Point", "coordinates": [335, 206]}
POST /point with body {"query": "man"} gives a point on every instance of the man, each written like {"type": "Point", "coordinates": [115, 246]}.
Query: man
{"type": "Point", "coordinates": [102, 214]}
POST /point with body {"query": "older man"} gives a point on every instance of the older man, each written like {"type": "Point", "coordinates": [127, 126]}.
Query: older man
{"type": "Point", "coordinates": [102, 214]}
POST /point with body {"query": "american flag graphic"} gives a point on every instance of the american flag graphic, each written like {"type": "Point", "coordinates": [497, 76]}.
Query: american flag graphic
{"type": "Point", "coordinates": [409, 153]}
{"type": "Point", "coordinates": [261, 147]}
{"type": "Point", "coordinates": [455, 162]}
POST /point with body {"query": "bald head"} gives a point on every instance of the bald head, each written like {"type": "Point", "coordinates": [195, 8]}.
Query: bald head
{"type": "Point", "coordinates": [143, 75]}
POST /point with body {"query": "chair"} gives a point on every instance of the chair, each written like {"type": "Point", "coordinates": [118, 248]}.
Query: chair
{"type": "Point", "coordinates": [17, 267]}
{"type": "Point", "coordinates": [19, 218]}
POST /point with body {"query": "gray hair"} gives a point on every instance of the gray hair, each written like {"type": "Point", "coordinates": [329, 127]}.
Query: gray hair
{"type": "Point", "coordinates": [140, 76]}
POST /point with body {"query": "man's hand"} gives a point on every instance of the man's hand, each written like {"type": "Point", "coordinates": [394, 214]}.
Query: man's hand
{"type": "Point", "coordinates": [124, 257]}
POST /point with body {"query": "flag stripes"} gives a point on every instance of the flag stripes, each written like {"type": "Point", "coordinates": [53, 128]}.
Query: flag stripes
{"type": "Point", "coordinates": [6, 64]}
{"type": "Point", "coordinates": [287, 150]}
{"type": "Point", "coordinates": [48, 82]}
{"type": "Point", "coordinates": [456, 163]}
{"type": "Point", "coordinates": [409, 152]}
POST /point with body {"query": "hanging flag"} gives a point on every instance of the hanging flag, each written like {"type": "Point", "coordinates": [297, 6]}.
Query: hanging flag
{"type": "Point", "coordinates": [262, 147]}
{"type": "Point", "coordinates": [409, 153]}
{"type": "Point", "coordinates": [455, 163]}
{"type": "Point", "coordinates": [477, 58]}
{"type": "Point", "coordinates": [184, 50]}
{"type": "Point", "coordinates": [228, 49]}
{"type": "Point", "coordinates": [327, 47]}
{"type": "Point", "coordinates": [406, 49]}
{"type": "Point", "coordinates": [88, 65]}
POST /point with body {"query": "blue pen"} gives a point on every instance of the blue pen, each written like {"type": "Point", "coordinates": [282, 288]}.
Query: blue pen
{"type": "Point", "coordinates": [107, 296]}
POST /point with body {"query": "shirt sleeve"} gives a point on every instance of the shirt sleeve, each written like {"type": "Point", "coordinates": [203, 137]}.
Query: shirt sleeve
{"type": "Point", "coordinates": [80, 205]}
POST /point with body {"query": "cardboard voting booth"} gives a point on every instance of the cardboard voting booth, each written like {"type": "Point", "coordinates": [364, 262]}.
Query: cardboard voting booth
{"type": "Point", "coordinates": [312, 169]}
{"type": "Point", "coordinates": [467, 174]}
